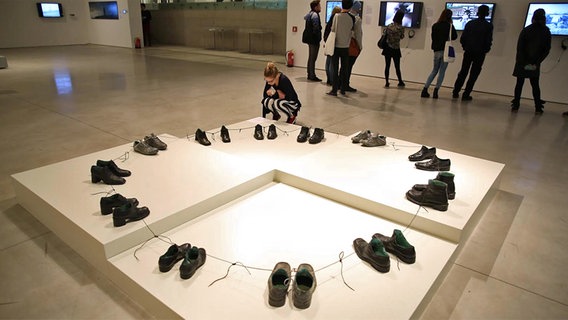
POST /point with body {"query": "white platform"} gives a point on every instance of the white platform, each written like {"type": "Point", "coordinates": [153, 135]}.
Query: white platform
{"type": "Point", "coordinates": [260, 202]}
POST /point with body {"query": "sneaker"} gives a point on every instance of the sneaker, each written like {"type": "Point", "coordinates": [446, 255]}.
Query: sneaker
{"type": "Point", "coordinates": [258, 134]}
{"type": "Point", "coordinates": [278, 284]}
{"type": "Point", "coordinates": [174, 254]}
{"type": "Point", "coordinates": [272, 132]}
{"type": "Point", "coordinates": [373, 253]}
{"type": "Point", "coordinates": [375, 141]}
{"type": "Point", "coordinates": [317, 137]}
{"type": "Point", "coordinates": [194, 258]}
{"type": "Point", "coordinates": [304, 134]}
{"type": "Point", "coordinates": [398, 246]}
{"type": "Point", "coordinates": [304, 286]}
{"type": "Point", "coordinates": [142, 147]}
{"type": "Point", "coordinates": [363, 135]}
{"type": "Point", "coordinates": [155, 142]}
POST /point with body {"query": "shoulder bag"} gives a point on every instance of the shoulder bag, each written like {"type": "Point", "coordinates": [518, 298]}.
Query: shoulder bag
{"type": "Point", "coordinates": [449, 50]}
{"type": "Point", "coordinates": [383, 40]}
{"type": "Point", "coordinates": [330, 42]}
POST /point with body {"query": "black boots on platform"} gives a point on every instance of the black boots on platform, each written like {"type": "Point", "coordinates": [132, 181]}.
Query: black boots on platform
{"type": "Point", "coordinates": [435, 195]}
{"type": "Point", "coordinates": [446, 177]}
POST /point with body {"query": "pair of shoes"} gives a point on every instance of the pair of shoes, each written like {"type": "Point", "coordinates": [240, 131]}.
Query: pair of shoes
{"type": "Point", "coordinates": [401, 84]}
{"type": "Point", "coordinates": [373, 253]}
{"type": "Point", "coordinates": [316, 79]}
{"type": "Point", "coordinates": [362, 135]}
{"type": "Point", "coordinates": [434, 164]}
{"type": "Point", "coordinates": [108, 172]}
{"type": "Point", "coordinates": [435, 195]}
{"type": "Point", "coordinates": [455, 94]}
{"type": "Point", "coordinates": [423, 154]}
{"type": "Point", "coordinates": [116, 200]}
{"type": "Point", "coordinates": [447, 178]}
{"type": "Point", "coordinates": [317, 137]}
{"type": "Point", "coordinates": [466, 97]}
{"type": "Point", "coordinates": [201, 137]}
{"type": "Point", "coordinates": [193, 259]}
{"type": "Point", "coordinates": [435, 95]}
{"type": "Point", "coordinates": [350, 89]}
{"type": "Point", "coordinates": [376, 140]}
{"type": "Point", "coordinates": [332, 93]}
{"type": "Point", "coordinates": [153, 141]}
{"type": "Point", "coordinates": [424, 93]}
{"type": "Point", "coordinates": [303, 286]}
{"type": "Point", "coordinates": [144, 148]}
{"type": "Point", "coordinates": [225, 135]}
{"type": "Point", "coordinates": [128, 212]}
{"type": "Point", "coordinates": [259, 135]}
{"type": "Point", "coordinates": [398, 245]}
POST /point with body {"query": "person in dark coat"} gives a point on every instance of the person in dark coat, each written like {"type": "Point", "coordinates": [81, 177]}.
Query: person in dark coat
{"type": "Point", "coordinates": [146, 18]}
{"type": "Point", "coordinates": [533, 47]}
{"type": "Point", "coordinates": [476, 40]}
{"type": "Point", "coordinates": [312, 37]}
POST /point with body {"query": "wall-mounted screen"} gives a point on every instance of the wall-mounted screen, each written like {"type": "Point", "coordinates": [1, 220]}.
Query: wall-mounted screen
{"type": "Point", "coordinates": [329, 5]}
{"type": "Point", "coordinates": [49, 10]}
{"type": "Point", "coordinates": [412, 13]}
{"type": "Point", "coordinates": [556, 16]}
{"type": "Point", "coordinates": [103, 10]}
{"type": "Point", "coordinates": [463, 12]}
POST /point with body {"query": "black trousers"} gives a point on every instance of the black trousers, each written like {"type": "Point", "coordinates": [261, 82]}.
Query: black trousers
{"type": "Point", "coordinates": [340, 75]}
{"type": "Point", "coordinates": [473, 62]}
{"type": "Point", "coordinates": [535, 90]}
{"type": "Point", "coordinates": [312, 57]}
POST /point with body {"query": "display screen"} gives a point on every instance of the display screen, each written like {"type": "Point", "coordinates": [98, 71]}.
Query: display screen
{"type": "Point", "coordinates": [49, 10]}
{"type": "Point", "coordinates": [412, 13]}
{"type": "Point", "coordinates": [332, 4]}
{"type": "Point", "coordinates": [463, 12]}
{"type": "Point", "coordinates": [103, 10]}
{"type": "Point", "coordinates": [556, 16]}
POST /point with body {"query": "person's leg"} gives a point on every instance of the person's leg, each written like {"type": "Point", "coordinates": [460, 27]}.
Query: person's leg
{"type": "Point", "coordinates": [441, 71]}
{"type": "Point", "coordinates": [516, 102]}
{"type": "Point", "coordinates": [351, 63]}
{"type": "Point", "coordinates": [312, 56]}
{"type": "Point", "coordinates": [344, 56]}
{"type": "Point", "coordinates": [536, 94]}
{"type": "Point", "coordinates": [335, 65]}
{"type": "Point", "coordinates": [387, 69]}
{"type": "Point", "coordinates": [329, 69]}
{"type": "Point", "coordinates": [434, 72]}
{"type": "Point", "coordinates": [462, 74]}
{"type": "Point", "coordinates": [267, 106]}
{"type": "Point", "coordinates": [396, 60]}
{"type": "Point", "coordinates": [289, 108]}
{"type": "Point", "coordinates": [476, 66]}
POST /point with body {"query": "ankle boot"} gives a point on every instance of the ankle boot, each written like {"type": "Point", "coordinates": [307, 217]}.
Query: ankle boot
{"type": "Point", "coordinates": [435, 96]}
{"type": "Point", "coordinates": [435, 195]}
{"type": "Point", "coordinates": [116, 200]}
{"type": "Point", "coordinates": [446, 177]}
{"type": "Point", "coordinates": [106, 175]}
{"type": "Point", "coordinates": [225, 135]}
{"type": "Point", "coordinates": [425, 93]}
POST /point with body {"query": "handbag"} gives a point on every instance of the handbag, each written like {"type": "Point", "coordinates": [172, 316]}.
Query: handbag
{"type": "Point", "coordinates": [330, 42]}
{"type": "Point", "coordinates": [382, 41]}
{"type": "Point", "coordinates": [449, 50]}
{"type": "Point", "coordinates": [354, 50]}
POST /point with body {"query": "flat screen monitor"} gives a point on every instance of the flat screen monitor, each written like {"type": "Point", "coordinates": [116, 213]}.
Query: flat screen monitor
{"type": "Point", "coordinates": [49, 9]}
{"type": "Point", "coordinates": [556, 16]}
{"type": "Point", "coordinates": [103, 10]}
{"type": "Point", "coordinates": [412, 13]}
{"type": "Point", "coordinates": [329, 5]}
{"type": "Point", "coordinates": [463, 12]}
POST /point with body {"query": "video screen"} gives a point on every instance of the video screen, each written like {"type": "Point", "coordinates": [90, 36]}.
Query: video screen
{"type": "Point", "coordinates": [104, 10]}
{"type": "Point", "coordinates": [412, 13]}
{"type": "Point", "coordinates": [463, 12]}
{"type": "Point", "coordinates": [556, 16]}
{"type": "Point", "coordinates": [49, 10]}
{"type": "Point", "coordinates": [332, 4]}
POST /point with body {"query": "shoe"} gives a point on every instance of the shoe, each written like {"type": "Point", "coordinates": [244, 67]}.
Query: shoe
{"type": "Point", "coordinates": [225, 135]}
{"type": "Point", "coordinates": [304, 286]}
{"type": "Point", "coordinates": [316, 79]}
{"type": "Point", "coordinates": [538, 110]}
{"type": "Point", "coordinates": [114, 168]}
{"type": "Point", "coordinates": [276, 116]}
{"type": "Point", "coordinates": [128, 213]}
{"type": "Point", "coordinates": [106, 175]}
{"type": "Point", "coordinates": [304, 135]}
{"type": "Point", "coordinates": [362, 135]}
{"type": "Point", "coordinates": [515, 104]}
{"type": "Point", "coordinates": [116, 200]}
{"type": "Point", "coordinates": [174, 254]}
{"type": "Point", "coordinates": [155, 142]}
{"type": "Point", "coordinates": [455, 95]}
{"type": "Point", "coordinates": [201, 137]}
{"type": "Point", "coordinates": [398, 246]}
{"type": "Point", "coordinates": [142, 147]}
{"type": "Point", "coordinates": [272, 132]}
{"type": "Point", "coordinates": [329, 83]}
{"type": "Point", "coordinates": [342, 92]}
{"type": "Point", "coordinates": [332, 93]}
{"type": "Point", "coordinates": [317, 137]}
{"type": "Point", "coordinates": [467, 97]}
{"type": "Point", "coordinates": [291, 119]}
{"type": "Point", "coordinates": [565, 114]}
{"type": "Point", "coordinates": [375, 141]}
{"type": "Point", "coordinates": [350, 89]}
{"type": "Point", "coordinates": [424, 93]}
{"type": "Point", "coordinates": [194, 258]}
{"type": "Point", "coordinates": [423, 154]}
{"type": "Point", "coordinates": [446, 177]}
{"type": "Point", "coordinates": [387, 85]}
{"type": "Point", "coordinates": [435, 95]}
{"type": "Point", "coordinates": [401, 84]}
{"type": "Point", "coordinates": [435, 195]}
{"type": "Point", "coordinates": [258, 135]}
{"type": "Point", "coordinates": [434, 164]}
{"type": "Point", "coordinates": [373, 253]}
{"type": "Point", "coordinates": [278, 284]}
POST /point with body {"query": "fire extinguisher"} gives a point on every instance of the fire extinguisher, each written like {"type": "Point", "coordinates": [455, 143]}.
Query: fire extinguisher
{"type": "Point", "coordinates": [137, 43]}
{"type": "Point", "coordinates": [290, 58]}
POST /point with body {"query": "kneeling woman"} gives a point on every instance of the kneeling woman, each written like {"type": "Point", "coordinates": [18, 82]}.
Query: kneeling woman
{"type": "Point", "coordinates": [279, 95]}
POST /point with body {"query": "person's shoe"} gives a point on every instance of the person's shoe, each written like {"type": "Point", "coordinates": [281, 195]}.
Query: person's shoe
{"type": "Point", "coordinates": [342, 92]}
{"type": "Point", "coordinates": [401, 84]}
{"type": "Point", "coordinates": [398, 246]}
{"type": "Point", "coordinates": [350, 89]}
{"type": "Point", "coordinates": [423, 154]}
{"type": "Point", "coordinates": [114, 168]}
{"type": "Point", "coordinates": [329, 83]}
{"type": "Point", "coordinates": [194, 258]}
{"type": "Point", "coordinates": [317, 137]}
{"type": "Point", "coordinates": [174, 254]}
{"type": "Point", "coordinates": [446, 177]}
{"type": "Point", "coordinates": [276, 116]}
{"type": "Point", "coordinates": [142, 147]}
{"type": "Point", "coordinates": [116, 200]}
{"type": "Point", "coordinates": [304, 135]}
{"type": "Point", "coordinates": [435, 195]}
{"type": "Point", "coordinates": [128, 213]}
{"type": "Point", "coordinates": [272, 132]}
{"type": "Point", "coordinates": [155, 142]}
{"type": "Point", "coordinates": [375, 141]}
{"type": "Point", "coordinates": [106, 175]}
{"type": "Point", "coordinates": [225, 135]}
{"type": "Point", "coordinates": [278, 284]}
{"type": "Point", "coordinates": [363, 135]}
{"type": "Point", "coordinates": [258, 134]}
{"type": "Point", "coordinates": [373, 253]}
{"type": "Point", "coordinates": [304, 286]}
{"type": "Point", "coordinates": [455, 95]}
{"type": "Point", "coordinates": [332, 93]}
{"type": "Point", "coordinates": [467, 97]}
{"type": "Point", "coordinates": [424, 93]}
{"type": "Point", "coordinates": [434, 164]}
{"type": "Point", "coordinates": [201, 137]}
{"type": "Point", "coordinates": [316, 79]}
{"type": "Point", "coordinates": [387, 85]}
{"type": "Point", "coordinates": [435, 95]}
{"type": "Point", "coordinates": [538, 110]}
{"type": "Point", "coordinates": [565, 114]}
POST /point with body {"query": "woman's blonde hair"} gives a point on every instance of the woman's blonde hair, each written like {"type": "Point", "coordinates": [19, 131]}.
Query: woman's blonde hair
{"type": "Point", "coordinates": [270, 70]}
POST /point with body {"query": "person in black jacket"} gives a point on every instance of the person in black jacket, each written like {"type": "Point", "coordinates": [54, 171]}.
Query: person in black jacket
{"type": "Point", "coordinates": [146, 18]}
{"type": "Point", "coordinates": [279, 95]}
{"type": "Point", "coordinates": [533, 47]}
{"type": "Point", "coordinates": [312, 37]}
{"type": "Point", "coordinates": [476, 40]}
{"type": "Point", "coordinates": [440, 34]}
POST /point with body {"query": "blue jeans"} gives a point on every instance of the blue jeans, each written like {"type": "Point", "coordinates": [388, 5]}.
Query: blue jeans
{"type": "Point", "coordinates": [439, 69]}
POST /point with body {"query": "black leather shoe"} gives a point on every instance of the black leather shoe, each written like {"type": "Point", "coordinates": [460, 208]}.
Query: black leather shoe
{"type": "Point", "coordinates": [116, 200]}
{"type": "Point", "coordinates": [434, 164]}
{"type": "Point", "coordinates": [317, 137]}
{"type": "Point", "coordinates": [114, 168]}
{"type": "Point", "coordinates": [350, 89]}
{"type": "Point", "coordinates": [272, 132]}
{"type": "Point", "coordinates": [423, 154]}
{"type": "Point", "coordinates": [193, 260]}
{"type": "Point", "coordinates": [434, 196]}
{"type": "Point", "coordinates": [467, 98]}
{"type": "Point", "coordinates": [225, 135]}
{"type": "Point", "coordinates": [128, 213]}
{"type": "Point", "coordinates": [332, 93]}
{"type": "Point", "coordinates": [373, 253]}
{"type": "Point", "coordinates": [304, 135]}
{"type": "Point", "coordinates": [398, 246]}
{"type": "Point", "coordinates": [258, 134]}
{"type": "Point", "coordinates": [201, 137]}
{"type": "Point", "coordinates": [174, 254]}
{"type": "Point", "coordinates": [446, 177]}
{"type": "Point", "coordinates": [278, 284]}
{"type": "Point", "coordinates": [106, 175]}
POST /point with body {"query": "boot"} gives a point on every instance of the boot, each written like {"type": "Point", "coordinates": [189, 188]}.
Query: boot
{"type": "Point", "coordinates": [425, 93]}
{"type": "Point", "coordinates": [435, 96]}
{"type": "Point", "coordinates": [106, 175]}
{"type": "Point", "coordinates": [116, 200]}
{"type": "Point", "coordinates": [435, 195]}
{"type": "Point", "coordinates": [446, 177]}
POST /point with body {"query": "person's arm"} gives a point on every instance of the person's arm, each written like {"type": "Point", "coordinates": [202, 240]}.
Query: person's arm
{"type": "Point", "coordinates": [489, 39]}
{"type": "Point", "coordinates": [547, 45]}
{"type": "Point", "coordinates": [358, 33]}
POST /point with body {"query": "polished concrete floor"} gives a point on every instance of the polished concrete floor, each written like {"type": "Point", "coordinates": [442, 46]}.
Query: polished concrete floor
{"type": "Point", "coordinates": [57, 103]}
